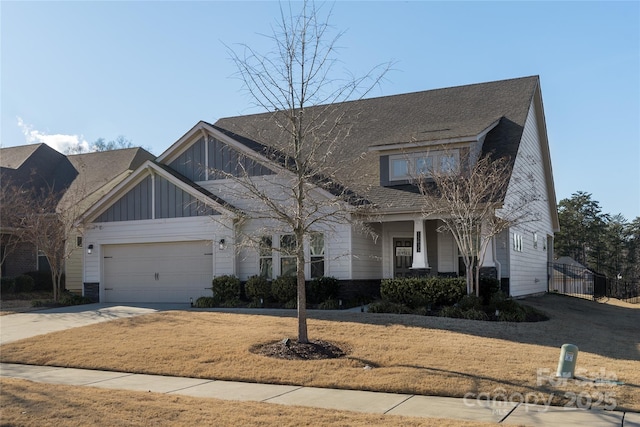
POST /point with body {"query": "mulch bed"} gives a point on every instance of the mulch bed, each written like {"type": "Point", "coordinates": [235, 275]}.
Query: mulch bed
{"type": "Point", "coordinates": [293, 350]}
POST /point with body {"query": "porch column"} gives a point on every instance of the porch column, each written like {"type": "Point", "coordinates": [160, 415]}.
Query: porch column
{"type": "Point", "coordinates": [489, 256]}
{"type": "Point", "coordinates": [419, 245]}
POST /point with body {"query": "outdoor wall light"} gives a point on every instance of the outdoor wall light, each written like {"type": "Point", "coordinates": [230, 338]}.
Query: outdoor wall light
{"type": "Point", "coordinates": [222, 244]}
{"type": "Point", "coordinates": [90, 249]}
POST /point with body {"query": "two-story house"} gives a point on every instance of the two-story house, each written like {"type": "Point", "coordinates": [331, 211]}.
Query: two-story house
{"type": "Point", "coordinates": [174, 223]}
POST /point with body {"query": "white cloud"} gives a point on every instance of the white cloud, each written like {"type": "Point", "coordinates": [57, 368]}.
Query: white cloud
{"type": "Point", "coordinates": [59, 142]}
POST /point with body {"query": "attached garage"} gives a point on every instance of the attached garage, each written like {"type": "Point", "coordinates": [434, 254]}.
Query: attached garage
{"type": "Point", "coordinates": [157, 272]}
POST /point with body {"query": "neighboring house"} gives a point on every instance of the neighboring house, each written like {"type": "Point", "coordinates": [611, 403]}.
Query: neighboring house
{"type": "Point", "coordinates": [81, 176]}
{"type": "Point", "coordinates": [167, 229]}
{"type": "Point", "coordinates": [568, 276]}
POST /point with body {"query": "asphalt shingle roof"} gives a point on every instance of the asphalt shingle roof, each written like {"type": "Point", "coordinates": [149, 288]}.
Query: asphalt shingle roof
{"type": "Point", "coordinates": [433, 115]}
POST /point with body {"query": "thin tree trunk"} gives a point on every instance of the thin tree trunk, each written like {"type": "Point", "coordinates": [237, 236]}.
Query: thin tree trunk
{"type": "Point", "coordinates": [302, 297]}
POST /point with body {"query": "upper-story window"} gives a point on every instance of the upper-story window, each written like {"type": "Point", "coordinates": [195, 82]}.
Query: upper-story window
{"type": "Point", "coordinates": [411, 165]}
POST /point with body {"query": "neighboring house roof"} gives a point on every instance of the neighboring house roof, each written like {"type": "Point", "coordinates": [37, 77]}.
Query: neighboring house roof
{"type": "Point", "coordinates": [567, 260]}
{"type": "Point", "coordinates": [87, 175]}
{"type": "Point", "coordinates": [570, 267]}
{"type": "Point", "coordinates": [434, 116]}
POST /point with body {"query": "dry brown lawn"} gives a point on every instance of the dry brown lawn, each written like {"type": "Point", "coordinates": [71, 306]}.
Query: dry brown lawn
{"type": "Point", "coordinates": [408, 354]}
{"type": "Point", "coordinates": [25, 403]}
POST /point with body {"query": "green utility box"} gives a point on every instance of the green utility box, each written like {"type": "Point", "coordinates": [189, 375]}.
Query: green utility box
{"type": "Point", "coordinates": [567, 362]}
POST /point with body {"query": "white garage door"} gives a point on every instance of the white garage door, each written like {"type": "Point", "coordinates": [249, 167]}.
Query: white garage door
{"type": "Point", "coordinates": [157, 272]}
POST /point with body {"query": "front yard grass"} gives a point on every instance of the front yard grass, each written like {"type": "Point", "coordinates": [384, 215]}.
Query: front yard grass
{"type": "Point", "coordinates": [25, 403]}
{"type": "Point", "coordinates": [407, 353]}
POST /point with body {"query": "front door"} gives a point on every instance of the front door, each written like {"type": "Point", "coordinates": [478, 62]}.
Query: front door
{"type": "Point", "coordinates": [403, 257]}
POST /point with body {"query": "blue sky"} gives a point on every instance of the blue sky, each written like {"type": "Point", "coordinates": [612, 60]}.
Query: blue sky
{"type": "Point", "coordinates": [79, 71]}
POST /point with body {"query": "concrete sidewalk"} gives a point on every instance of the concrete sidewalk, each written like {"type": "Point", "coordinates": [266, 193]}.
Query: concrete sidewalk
{"type": "Point", "coordinates": [348, 400]}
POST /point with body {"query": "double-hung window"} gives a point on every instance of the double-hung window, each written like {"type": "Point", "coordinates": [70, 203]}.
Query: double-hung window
{"type": "Point", "coordinates": [316, 252]}
{"type": "Point", "coordinates": [266, 257]}
{"type": "Point", "coordinates": [288, 255]}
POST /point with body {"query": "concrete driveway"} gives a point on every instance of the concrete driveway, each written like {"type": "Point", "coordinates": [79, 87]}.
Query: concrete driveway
{"type": "Point", "coordinates": [14, 327]}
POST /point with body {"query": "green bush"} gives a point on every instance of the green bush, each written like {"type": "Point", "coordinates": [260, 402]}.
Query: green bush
{"type": "Point", "coordinates": [7, 285]}
{"type": "Point", "coordinates": [68, 298]}
{"type": "Point", "coordinates": [24, 283]}
{"type": "Point", "coordinates": [206, 302]}
{"type": "Point", "coordinates": [474, 314]}
{"type": "Point", "coordinates": [330, 304]}
{"type": "Point", "coordinates": [322, 288]}
{"type": "Point", "coordinates": [451, 311]}
{"type": "Point", "coordinates": [225, 288]}
{"type": "Point", "coordinates": [292, 304]}
{"type": "Point", "coordinates": [388, 307]}
{"type": "Point", "coordinates": [406, 291]}
{"type": "Point", "coordinates": [488, 287]}
{"type": "Point", "coordinates": [470, 302]}
{"type": "Point", "coordinates": [42, 280]}
{"type": "Point", "coordinates": [285, 288]}
{"type": "Point", "coordinates": [513, 314]}
{"type": "Point", "coordinates": [231, 303]}
{"type": "Point", "coordinates": [258, 287]}
{"type": "Point", "coordinates": [421, 291]}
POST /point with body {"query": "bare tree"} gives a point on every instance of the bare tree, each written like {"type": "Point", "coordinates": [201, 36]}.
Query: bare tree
{"type": "Point", "coordinates": [48, 221]}
{"type": "Point", "coordinates": [473, 205]}
{"type": "Point", "coordinates": [12, 203]}
{"type": "Point", "coordinates": [100, 145]}
{"type": "Point", "coordinates": [293, 82]}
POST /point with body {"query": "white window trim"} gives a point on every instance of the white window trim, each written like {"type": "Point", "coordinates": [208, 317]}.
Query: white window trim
{"type": "Point", "coordinates": [277, 255]}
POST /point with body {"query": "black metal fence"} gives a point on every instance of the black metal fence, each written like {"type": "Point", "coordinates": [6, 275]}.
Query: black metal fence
{"type": "Point", "coordinates": [581, 282]}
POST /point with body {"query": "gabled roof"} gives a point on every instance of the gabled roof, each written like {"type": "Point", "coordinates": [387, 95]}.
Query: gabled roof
{"type": "Point", "coordinates": [166, 172]}
{"type": "Point", "coordinates": [80, 176]}
{"type": "Point", "coordinates": [99, 171]}
{"type": "Point", "coordinates": [440, 115]}
{"type": "Point", "coordinates": [14, 157]}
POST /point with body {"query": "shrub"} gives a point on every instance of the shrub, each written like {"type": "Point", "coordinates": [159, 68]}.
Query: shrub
{"type": "Point", "coordinates": [407, 291]}
{"type": "Point", "coordinates": [24, 283]}
{"type": "Point", "coordinates": [451, 311]}
{"type": "Point", "coordinates": [258, 287]}
{"type": "Point", "coordinates": [470, 302]}
{"type": "Point", "coordinates": [421, 291]}
{"type": "Point", "coordinates": [7, 285]}
{"type": "Point", "coordinates": [67, 298]}
{"type": "Point", "coordinates": [231, 303]}
{"type": "Point", "coordinates": [330, 304]}
{"type": "Point", "coordinates": [42, 280]}
{"type": "Point", "coordinates": [488, 287]}
{"type": "Point", "coordinates": [322, 288]}
{"type": "Point", "coordinates": [513, 314]}
{"type": "Point", "coordinates": [474, 314]}
{"type": "Point", "coordinates": [445, 291]}
{"type": "Point", "coordinates": [225, 288]}
{"type": "Point", "coordinates": [285, 288]}
{"type": "Point", "coordinates": [293, 304]}
{"type": "Point", "coordinates": [206, 302]}
{"type": "Point", "coordinates": [388, 307]}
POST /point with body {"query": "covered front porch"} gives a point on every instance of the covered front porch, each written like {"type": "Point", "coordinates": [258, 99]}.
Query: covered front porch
{"type": "Point", "coordinates": [413, 246]}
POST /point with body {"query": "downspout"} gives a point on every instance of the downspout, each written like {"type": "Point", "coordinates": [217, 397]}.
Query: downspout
{"type": "Point", "coordinates": [495, 260]}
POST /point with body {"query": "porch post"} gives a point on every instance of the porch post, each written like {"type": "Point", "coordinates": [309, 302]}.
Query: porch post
{"type": "Point", "coordinates": [489, 258]}
{"type": "Point", "coordinates": [419, 245]}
